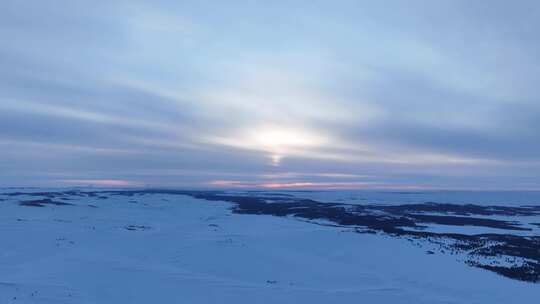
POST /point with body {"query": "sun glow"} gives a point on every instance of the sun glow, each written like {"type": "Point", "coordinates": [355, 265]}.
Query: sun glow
{"type": "Point", "coordinates": [278, 142]}
{"type": "Point", "coordinates": [279, 139]}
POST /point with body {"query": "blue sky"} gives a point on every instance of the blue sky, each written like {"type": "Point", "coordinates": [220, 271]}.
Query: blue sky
{"type": "Point", "coordinates": [280, 94]}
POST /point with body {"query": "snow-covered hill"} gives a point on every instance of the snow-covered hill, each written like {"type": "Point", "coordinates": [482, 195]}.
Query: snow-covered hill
{"type": "Point", "coordinates": [165, 247]}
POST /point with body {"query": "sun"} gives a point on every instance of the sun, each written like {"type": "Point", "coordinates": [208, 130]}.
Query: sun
{"type": "Point", "coordinates": [279, 139]}
{"type": "Point", "coordinates": [282, 141]}
{"type": "Point", "coordinates": [276, 141]}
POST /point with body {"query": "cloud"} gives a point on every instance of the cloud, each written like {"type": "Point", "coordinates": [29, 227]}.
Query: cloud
{"type": "Point", "coordinates": [313, 185]}
{"type": "Point", "coordinates": [438, 94]}
{"type": "Point", "coordinates": [101, 182]}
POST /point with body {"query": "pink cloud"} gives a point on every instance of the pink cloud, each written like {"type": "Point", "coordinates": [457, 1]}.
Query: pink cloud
{"type": "Point", "coordinates": [317, 185]}
{"type": "Point", "coordinates": [101, 182]}
{"type": "Point", "coordinates": [313, 185]}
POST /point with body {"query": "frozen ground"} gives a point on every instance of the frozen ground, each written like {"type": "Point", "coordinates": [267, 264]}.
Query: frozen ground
{"type": "Point", "coordinates": [170, 248]}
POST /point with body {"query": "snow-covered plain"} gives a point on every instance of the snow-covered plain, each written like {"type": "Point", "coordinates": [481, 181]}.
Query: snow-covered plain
{"type": "Point", "coordinates": [161, 248]}
{"type": "Point", "coordinates": [502, 198]}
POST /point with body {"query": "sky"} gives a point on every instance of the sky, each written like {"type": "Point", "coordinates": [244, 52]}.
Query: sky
{"type": "Point", "coordinates": [271, 94]}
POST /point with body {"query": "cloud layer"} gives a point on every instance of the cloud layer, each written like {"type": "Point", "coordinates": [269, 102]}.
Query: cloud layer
{"type": "Point", "coordinates": [353, 94]}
